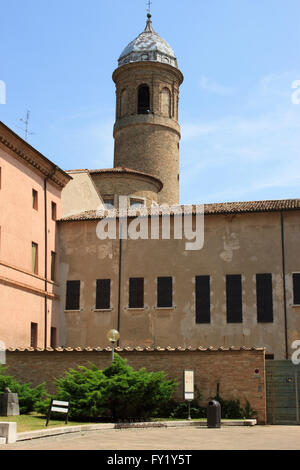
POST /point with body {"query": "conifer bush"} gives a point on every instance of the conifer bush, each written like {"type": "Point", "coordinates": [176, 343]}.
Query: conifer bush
{"type": "Point", "coordinates": [117, 392]}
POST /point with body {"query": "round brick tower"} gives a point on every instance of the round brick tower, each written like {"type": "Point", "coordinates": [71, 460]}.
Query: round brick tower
{"type": "Point", "coordinates": [146, 130]}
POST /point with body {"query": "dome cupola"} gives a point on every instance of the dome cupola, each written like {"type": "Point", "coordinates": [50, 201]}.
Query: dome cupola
{"type": "Point", "coordinates": [148, 46]}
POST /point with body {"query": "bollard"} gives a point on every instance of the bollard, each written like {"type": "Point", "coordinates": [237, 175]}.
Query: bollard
{"type": "Point", "coordinates": [9, 404]}
{"type": "Point", "coordinates": [8, 431]}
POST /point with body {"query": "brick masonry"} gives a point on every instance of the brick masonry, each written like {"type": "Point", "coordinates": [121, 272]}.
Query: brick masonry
{"type": "Point", "coordinates": [149, 142]}
{"type": "Point", "coordinates": [240, 373]}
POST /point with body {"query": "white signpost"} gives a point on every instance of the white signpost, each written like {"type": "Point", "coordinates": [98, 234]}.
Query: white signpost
{"type": "Point", "coordinates": [188, 388]}
{"type": "Point", "coordinates": [2, 353]}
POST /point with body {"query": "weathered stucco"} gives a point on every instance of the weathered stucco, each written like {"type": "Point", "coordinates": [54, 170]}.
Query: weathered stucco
{"type": "Point", "coordinates": [80, 194]}
{"type": "Point", "coordinates": [246, 244]}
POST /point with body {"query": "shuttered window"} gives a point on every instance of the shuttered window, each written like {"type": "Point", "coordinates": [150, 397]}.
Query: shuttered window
{"type": "Point", "coordinates": [102, 294]}
{"type": "Point", "coordinates": [53, 337]}
{"type": "Point", "coordinates": [53, 266]}
{"type": "Point", "coordinates": [53, 210]}
{"type": "Point", "coordinates": [35, 199]}
{"type": "Point", "coordinates": [33, 335]}
{"type": "Point", "coordinates": [202, 299]}
{"type": "Point", "coordinates": [136, 292]}
{"type": "Point", "coordinates": [164, 292]}
{"type": "Point", "coordinates": [73, 295]}
{"type": "Point", "coordinates": [234, 298]}
{"type": "Point", "coordinates": [264, 298]}
{"type": "Point", "coordinates": [296, 288]}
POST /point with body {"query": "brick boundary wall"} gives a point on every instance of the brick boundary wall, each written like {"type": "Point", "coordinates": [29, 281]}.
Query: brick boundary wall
{"type": "Point", "coordinates": [240, 373]}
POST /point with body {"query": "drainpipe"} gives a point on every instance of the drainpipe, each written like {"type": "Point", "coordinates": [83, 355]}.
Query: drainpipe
{"type": "Point", "coordinates": [284, 285]}
{"type": "Point", "coordinates": [46, 253]}
{"type": "Point", "coordinates": [120, 284]}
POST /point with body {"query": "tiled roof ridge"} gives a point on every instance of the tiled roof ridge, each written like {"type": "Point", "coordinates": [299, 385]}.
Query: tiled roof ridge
{"type": "Point", "coordinates": [123, 169]}
{"type": "Point", "coordinates": [211, 208]}
{"type": "Point", "coordinates": [139, 349]}
{"type": "Point", "coordinates": [117, 169]}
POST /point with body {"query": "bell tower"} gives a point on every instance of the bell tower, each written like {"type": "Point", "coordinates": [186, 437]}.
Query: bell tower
{"type": "Point", "coordinates": [146, 131]}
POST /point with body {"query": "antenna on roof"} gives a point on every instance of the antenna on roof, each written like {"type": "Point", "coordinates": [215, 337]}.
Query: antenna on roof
{"type": "Point", "coordinates": [26, 122]}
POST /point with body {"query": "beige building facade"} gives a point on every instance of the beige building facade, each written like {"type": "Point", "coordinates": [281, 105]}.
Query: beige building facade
{"type": "Point", "coordinates": [254, 244]}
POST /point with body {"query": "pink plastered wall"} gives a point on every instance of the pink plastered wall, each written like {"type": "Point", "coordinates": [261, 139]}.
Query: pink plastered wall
{"type": "Point", "coordinates": [22, 292]}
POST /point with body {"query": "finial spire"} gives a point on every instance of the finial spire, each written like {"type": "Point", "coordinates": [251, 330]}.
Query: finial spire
{"type": "Point", "coordinates": [149, 28]}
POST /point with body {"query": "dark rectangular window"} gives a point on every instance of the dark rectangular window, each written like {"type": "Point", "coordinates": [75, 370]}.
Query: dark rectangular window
{"type": "Point", "coordinates": [53, 339]}
{"type": "Point", "coordinates": [164, 292]}
{"type": "Point", "coordinates": [202, 299]}
{"type": "Point", "coordinates": [53, 210]}
{"type": "Point", "coordinates": [109, 202]}
{"type": "Point", "coordinates": [35, 257]}
{"type": "Point", "coordinates": [53, 266]}
{"type": "Point", "coordinates": [269, 357]}
{"type": "Point", "coordinates": [234, 298]}
{"type": "Point", "coordinates": [296, 288]}
{"type": "Point", "coordinates": [136, 292]}
{"type": "Point", "coordinates": [33, 335]}
{"type": "Point", "coordinates": [136, 203]}
{"type": "Point", "coordinates": [35, 199]}
{"type": "Point", "coordinates": [264, 298]}
{"type": "Point", "coordinates": [73, 295]}
{"type": "Point", "coordinates": [102, 294]}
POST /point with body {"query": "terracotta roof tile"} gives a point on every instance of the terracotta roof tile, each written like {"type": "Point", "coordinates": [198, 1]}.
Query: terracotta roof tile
{"type": "Point", "coordinates": [138, 349]}
{"type": "Point", "coordinates": [209, 209]}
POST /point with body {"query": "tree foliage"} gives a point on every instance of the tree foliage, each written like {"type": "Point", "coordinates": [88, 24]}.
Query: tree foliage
{"type": "Point", "coordinates": [28, 396]}
{"type": "Point", "coordinates": [117, 392]}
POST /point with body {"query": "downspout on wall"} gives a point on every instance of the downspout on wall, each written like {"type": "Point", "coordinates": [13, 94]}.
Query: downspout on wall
{"type": "Point", "coordinates": [120, 276]}
{"type": "Point", "coordinates": [284, 284]}
{"type": "Point", "coordinates": [46, 261]}
{"type": "Point", "coordinates": [50, 175]}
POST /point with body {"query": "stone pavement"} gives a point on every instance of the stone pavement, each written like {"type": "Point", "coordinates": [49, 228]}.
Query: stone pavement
{"type": "Point", "coordinates": [189, 438]}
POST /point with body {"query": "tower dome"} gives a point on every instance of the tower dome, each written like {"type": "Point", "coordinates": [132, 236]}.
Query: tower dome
{"type": "Point", "coordinates": [148, 46]}
{"type": "Point", "coordinates": [146, 130]}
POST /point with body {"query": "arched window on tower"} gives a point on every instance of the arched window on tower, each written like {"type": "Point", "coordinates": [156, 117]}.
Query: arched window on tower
{"type": "Point", "coordinates": [165, 102]}
{"type": "Point", "coordinates": [124, 103]}
{"type": "Point", "coordinates": [143, 99]}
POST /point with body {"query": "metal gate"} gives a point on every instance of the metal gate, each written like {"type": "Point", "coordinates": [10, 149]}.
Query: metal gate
{"type": "Point", "coordinates": [282, 392]}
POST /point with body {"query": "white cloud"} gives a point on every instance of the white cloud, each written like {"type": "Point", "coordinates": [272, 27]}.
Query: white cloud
{"type": "Point", "coordinates": [214, 87]}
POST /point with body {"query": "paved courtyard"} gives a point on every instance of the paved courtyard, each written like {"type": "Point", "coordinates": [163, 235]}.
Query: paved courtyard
{"type": "Point", "coordinates": [184, 438]}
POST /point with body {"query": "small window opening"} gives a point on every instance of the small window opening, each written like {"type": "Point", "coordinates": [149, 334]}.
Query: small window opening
{"type": "Point", "coordinates": [144, 100]}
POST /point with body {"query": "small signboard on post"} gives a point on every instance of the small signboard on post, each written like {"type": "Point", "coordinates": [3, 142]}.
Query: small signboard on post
{"type": "Point", "coordinates": [188, 385]}
{"type": "Point", "coordinates": [188, 388]}
{"type": "Point", "coordinates": [2, 353]}
{"type": "Point", "coordinates": [59, 407]}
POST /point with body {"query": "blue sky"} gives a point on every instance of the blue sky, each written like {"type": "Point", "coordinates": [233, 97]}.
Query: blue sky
{"type": "Point", "coordinates": [240, 129]}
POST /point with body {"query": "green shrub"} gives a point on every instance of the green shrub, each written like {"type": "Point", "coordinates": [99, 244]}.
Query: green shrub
{"type": "Point", "coordinates": [82, 387]}
{"type": "Point", "coordinates": [28, 396]}
{"type": "Point", "coordinates": [232, 409]}
{"type": "Point", "coordinates": [137, 394]}
{"type": "Point", "coordinates": [117, 392]}
{"type": "Point", "coordinates": [181, 410]}
{"type": "Point", "coordinates": [248, 411]}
